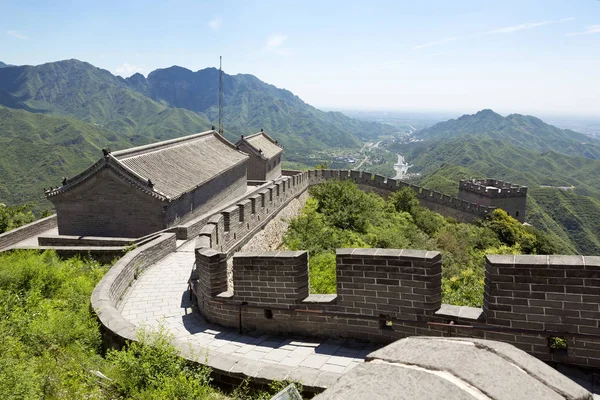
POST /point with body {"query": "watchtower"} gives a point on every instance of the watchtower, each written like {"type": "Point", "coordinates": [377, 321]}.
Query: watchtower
{"type": "Point", "coordinates": [494, 193]}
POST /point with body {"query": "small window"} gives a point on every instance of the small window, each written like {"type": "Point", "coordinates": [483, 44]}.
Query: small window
{"type": "Point", "coordinates": [268, 314]}
{"type": "Point", "coordinates": [517, 214]}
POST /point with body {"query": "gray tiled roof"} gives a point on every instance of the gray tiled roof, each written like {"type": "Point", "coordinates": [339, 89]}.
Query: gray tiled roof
{"type": "Point", "coordinates": [177, 166]}
{"type": "Point", "coordinates": [174, 166]}
{"type": "Point", "coordinates": [260, 141]}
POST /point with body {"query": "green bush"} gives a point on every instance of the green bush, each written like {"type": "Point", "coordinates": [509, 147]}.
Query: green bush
{"type": "Point", "coordinates": [51, 343]}
{"type": "Point", "coordinates": [12, 217]}
{"type": "Point", "coordinates": [339, 215]}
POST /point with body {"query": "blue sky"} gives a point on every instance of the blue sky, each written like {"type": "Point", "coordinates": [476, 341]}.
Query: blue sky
{"type": "Point", "coordinates": [460, 56]}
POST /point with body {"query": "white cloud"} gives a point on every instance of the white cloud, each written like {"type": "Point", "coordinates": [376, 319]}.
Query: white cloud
{"type": "Point", "coordinates": [504, 30]}
{"type": "Point", "coordinates": [17, 34]}
{"type": "Point", "coordinates": [215, 23]}
{"type": "Point", "coordinates": [275, 44]}
{"type": "Point", "coordinates": [127, 70]}
{"type": "Point", "coordinates": [437, 42]}
{"type": "Point", "coordinates": [590, 30]}
{"type": "Point", "coordinates": [520, 27]}
{"type": "Point", "coordinates": [275, 41]}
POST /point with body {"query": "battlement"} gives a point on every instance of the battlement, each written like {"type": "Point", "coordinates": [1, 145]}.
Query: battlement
{"type": "Point", "coordinates": [492, 188]}
{"type": "Point", "coordinates": [387, 294]}
{"type": "Point", "coordinates": [231, 228]}
{"type": "Point", "coordinates": [497, 194]}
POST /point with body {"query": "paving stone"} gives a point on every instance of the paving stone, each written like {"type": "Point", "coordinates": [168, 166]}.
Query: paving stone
{"type": "Point", "coordinates": [255, 355]}
{"type": "Point", "coordinates": [342, 361]}
{"type": "Point", "coordinates": [276, 355]}
{"type": "Point", "coordinates": [315, 361]}
{"type": "Point", "coordinates": [338, 369]}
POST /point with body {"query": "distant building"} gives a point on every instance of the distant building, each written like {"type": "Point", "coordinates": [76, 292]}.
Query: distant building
{"type": "Point", "coordinates": [134, 192]}
{"type": "Point", "coordinates": [494, 193]}
{"type": "Point", "coordinates": [265, 156]}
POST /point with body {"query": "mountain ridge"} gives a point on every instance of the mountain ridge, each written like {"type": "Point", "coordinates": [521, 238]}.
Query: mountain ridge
{"type": "Point", "coordinates": [198, 91]}
{"type": "Point", "coordinates": [524, 150]}
{"type": "Point", "coordinates": [526, 131]}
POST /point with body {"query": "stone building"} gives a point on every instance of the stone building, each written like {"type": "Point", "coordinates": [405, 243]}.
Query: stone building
{"type": "Point", "coordinates": [494, 193]}
{"type": "Point", "coordinates": [265, 156]}
{"type": "Point", "coordinates": [134, 192]}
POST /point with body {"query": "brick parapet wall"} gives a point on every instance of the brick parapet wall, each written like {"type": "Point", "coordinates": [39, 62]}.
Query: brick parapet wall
{"type": "Point", "coordinates": [384, 295]}
{"type": "Point", "coordinates": [271, 277]}
{"type": "Point", "coordinates": [389, 282]}
{"type": "Point", "coordinates": [110, 290]}
{"type": "Point", "coordinates": [449, 205]}
{"type": "Point", "coordinates": [243, 218]}
{"type": "Point", "coordinates": [504, 189]}
{"type": "Point", "coordinates": [14, 236]}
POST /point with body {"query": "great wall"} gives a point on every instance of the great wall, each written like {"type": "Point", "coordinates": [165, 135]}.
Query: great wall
{"type": "Point", "coordinates": [382, 294]}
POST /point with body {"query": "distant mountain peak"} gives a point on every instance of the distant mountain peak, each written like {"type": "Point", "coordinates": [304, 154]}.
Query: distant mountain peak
{"type": "Point", "coordinates": [486, 112]}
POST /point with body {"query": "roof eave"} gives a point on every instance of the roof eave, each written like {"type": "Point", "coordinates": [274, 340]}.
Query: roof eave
{"type": "Point", "coordinates": [122, 171]}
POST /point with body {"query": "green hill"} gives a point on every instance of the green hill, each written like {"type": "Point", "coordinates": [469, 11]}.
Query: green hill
{"type": "Point", "coordinates": [250, 104]}
{"type": "Point", "coordinates": [482, 145]}
{"type": "Point", "coordinates": [523, 131]}
{"type": "Point", "coordinates": [59, 115]}
{"type": "Point", "coordinates": [79, 90]}
{"type": "Point", "coordinates": [37, 150]}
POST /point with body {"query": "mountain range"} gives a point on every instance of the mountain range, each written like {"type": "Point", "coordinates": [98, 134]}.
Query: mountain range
{"type": "Point", "coordinates": [57, 116]}
{"type": "Point", "coordinates": [561, 168]}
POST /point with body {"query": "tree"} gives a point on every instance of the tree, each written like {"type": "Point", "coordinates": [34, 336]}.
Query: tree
{"type": "Point", "coordinates": [12, 217]}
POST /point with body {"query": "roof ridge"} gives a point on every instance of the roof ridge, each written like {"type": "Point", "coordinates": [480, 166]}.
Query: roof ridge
{"type": "Point", "coordinates": [263, 133]}
{"type": "Point", "coordinates": [147, 148]}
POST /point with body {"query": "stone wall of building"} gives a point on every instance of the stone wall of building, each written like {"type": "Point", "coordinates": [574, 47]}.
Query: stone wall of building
{"type": "Point", "coordinates": [221, 189]}
{"type": "Point", "coordinates": [274, 168]}
{"type": "Point", "coordinates": [257, 167]}
{"type": "Point", "coordinates": [105, 205]}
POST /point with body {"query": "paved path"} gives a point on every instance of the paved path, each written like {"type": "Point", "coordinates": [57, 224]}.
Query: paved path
{"type": "Point", "coordinates": [161, 296]}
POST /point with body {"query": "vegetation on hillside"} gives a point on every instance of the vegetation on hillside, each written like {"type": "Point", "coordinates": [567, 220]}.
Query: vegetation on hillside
{"type": "Point", "coordinates": [51, 346]}
{"type": "Point", "coordinates": [339, 215]}
{"type": "Point", "coordinates": [55, 118]}
{"type": "Point", "coordinates": [12, 217]}
{"type": "Point", "coordinates": [250, 104]}
{"type": "Point", "coordinates": [523, 131]}
{"type": "Point", "coordinates": [524, 150]}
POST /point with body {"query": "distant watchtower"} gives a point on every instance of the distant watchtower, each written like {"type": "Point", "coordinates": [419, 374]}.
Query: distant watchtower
{"type": "Point", "coordinates": [493, 193]}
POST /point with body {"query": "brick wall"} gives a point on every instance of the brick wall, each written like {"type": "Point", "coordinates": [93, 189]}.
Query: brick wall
{"type": "Point", "coordinates": [559, 294]}
{"type": "Point", "coordinates": [385, 294]}
{"type": "Point", "coordinates": [105, 205]}
{"type": "Point", "coordinates": [389, 282]}
{"type": "Point", "coordinates": [221, 189]}
{"type": "Point", "coordinates": [14, 236]}
{"type": "Point", "coordinates": [271, 277]}
{"type": "Point", "coordinates": [462, 210]}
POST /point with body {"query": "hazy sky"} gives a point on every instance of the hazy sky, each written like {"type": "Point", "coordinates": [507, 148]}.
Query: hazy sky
{"type": "Point", "coordinates": [512, 56]}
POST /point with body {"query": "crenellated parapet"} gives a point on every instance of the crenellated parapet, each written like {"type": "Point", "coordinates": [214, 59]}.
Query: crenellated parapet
{"type": "Point", "coordinates": [492, 188]}
{"type": "Point", "coordinates": [532, 302]}
{"type": "Point", "coordinates": [495, 193]}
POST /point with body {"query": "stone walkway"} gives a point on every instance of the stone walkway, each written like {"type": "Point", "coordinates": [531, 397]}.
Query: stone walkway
{"type": "Point", "coordinates": [161, 297]}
